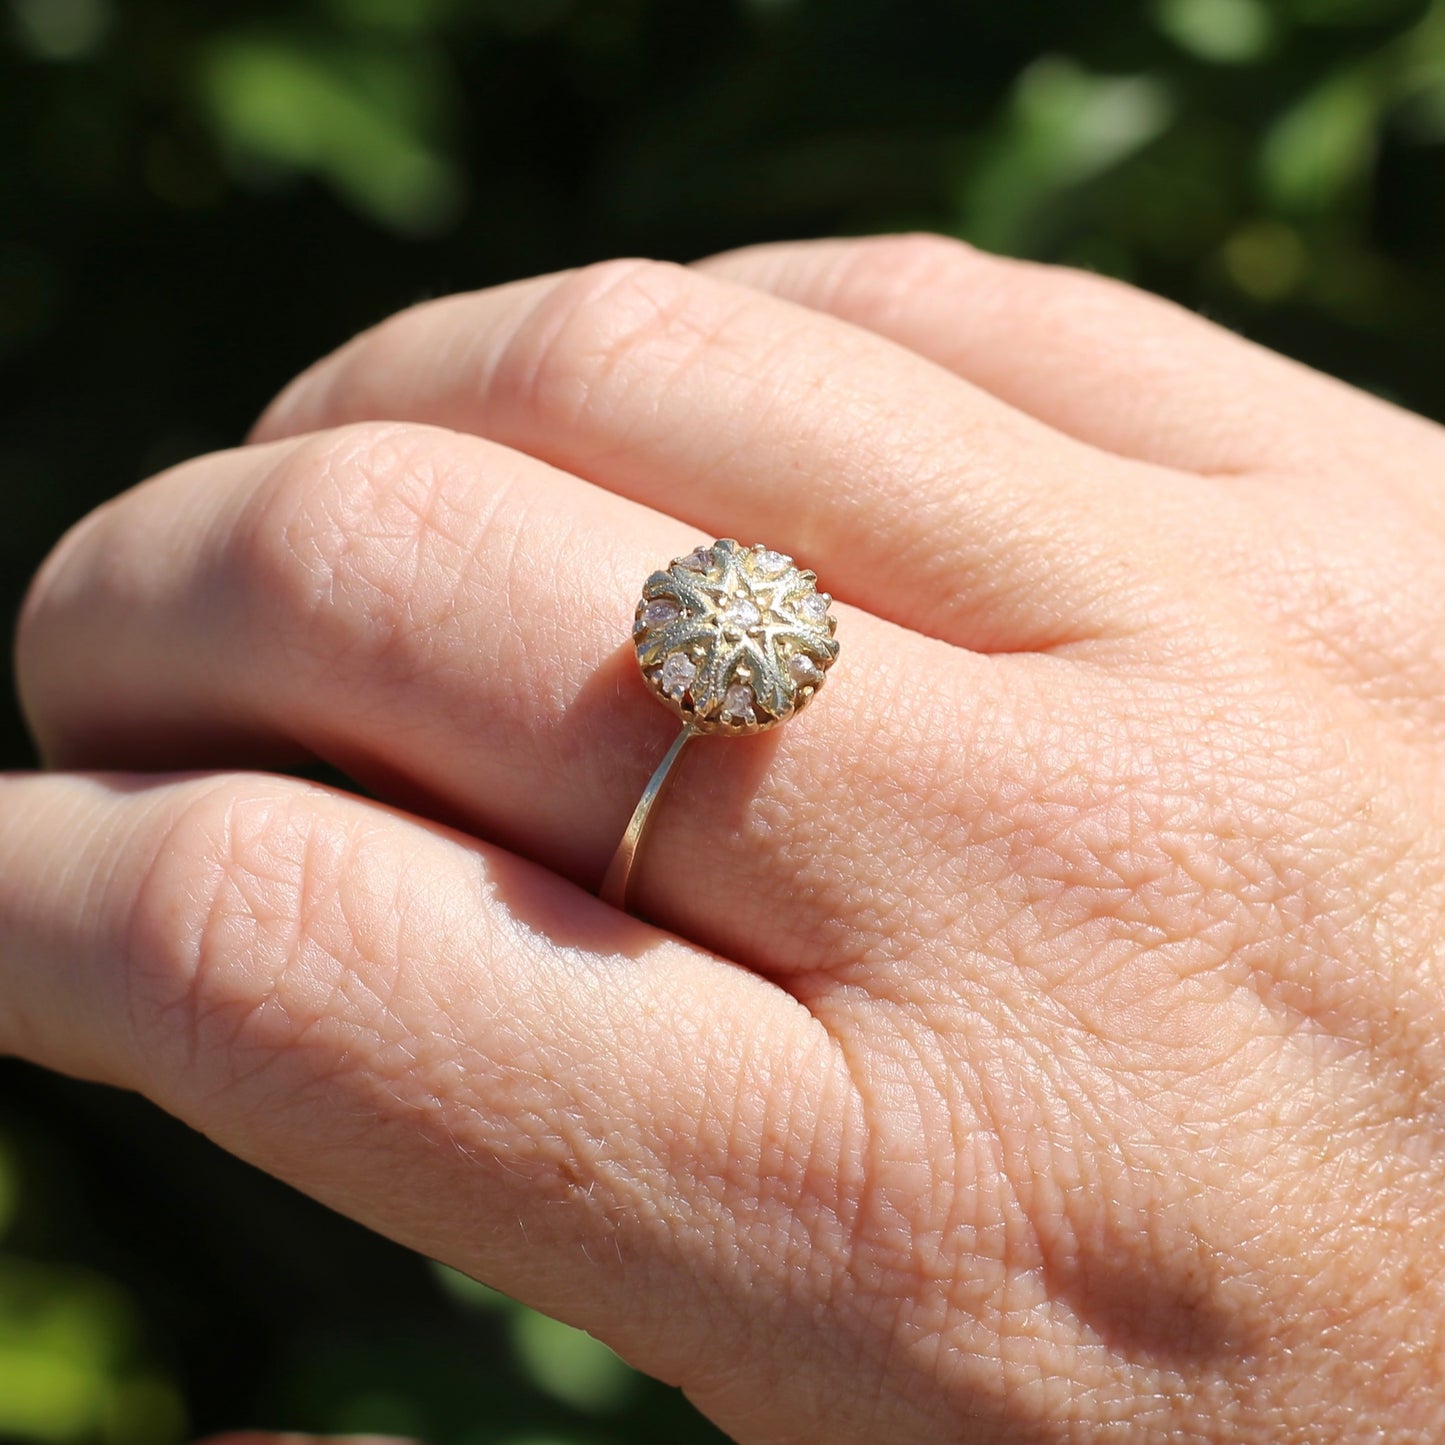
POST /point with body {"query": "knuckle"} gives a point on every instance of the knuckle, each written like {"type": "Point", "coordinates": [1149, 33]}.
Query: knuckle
{"type": "Point", "coordinates": [246, 936]}
{"type": "Point", "coordinates": [1088, 302]}
{"type": "Point", "coordinates": [884, 274]}
{"type": "Point", "coordinates": [353, 549]}
{"type": "Point", "coordinates": [1086, 308]}
{"type": "Point", "coordinates": [581, 344]}
{"type": "Point", "coordinates": [919, 253]}
{"type": "Point", "coordinates": [883, 271]}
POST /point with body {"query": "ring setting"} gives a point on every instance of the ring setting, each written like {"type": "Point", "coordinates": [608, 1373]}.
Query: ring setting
{"type": "Point", "coordinates": [733, 640]}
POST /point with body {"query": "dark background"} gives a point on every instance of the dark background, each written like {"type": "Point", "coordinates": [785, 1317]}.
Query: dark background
{"type": "Point", "coordinates": [197, 199]}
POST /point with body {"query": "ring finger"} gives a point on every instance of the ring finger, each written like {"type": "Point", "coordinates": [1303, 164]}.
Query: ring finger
{"type": "Point", "coordinates": [448, 621]}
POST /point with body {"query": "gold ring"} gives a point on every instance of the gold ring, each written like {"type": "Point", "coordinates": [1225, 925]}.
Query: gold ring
{"type": "Point", "coordinates": [735, 640]}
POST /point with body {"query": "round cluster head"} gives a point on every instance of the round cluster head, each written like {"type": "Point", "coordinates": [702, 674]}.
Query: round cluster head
{"type": "Point", "coordinates": [734, 639]}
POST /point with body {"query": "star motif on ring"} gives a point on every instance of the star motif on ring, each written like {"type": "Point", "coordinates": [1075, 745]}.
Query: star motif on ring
{"type": "Point", "coordinates": [734, 638]}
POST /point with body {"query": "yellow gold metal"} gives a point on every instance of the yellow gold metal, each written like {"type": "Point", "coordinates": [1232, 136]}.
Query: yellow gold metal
{"type": "Point", "coordinates": [734, 640]}
{"type": "Point", "coordinates": [616, 883]}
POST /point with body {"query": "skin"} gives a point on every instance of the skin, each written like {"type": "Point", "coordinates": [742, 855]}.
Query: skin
{"type": "Point", "coordinates": [1042, 1039]}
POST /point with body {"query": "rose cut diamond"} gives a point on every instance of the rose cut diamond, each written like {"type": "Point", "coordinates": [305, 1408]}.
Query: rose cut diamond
{"type": "Point", "coordinates": [659, 611]}
{"type": "Point", "coordinates": [737, 704]}
{"type": "Point", "coordinates": [677, 675]}
{"type": "Point", "coordinates": [741, 613]}
{"type": "Point", "coordinates": [814, 607]}
{"type": "Point", "coordinates": [804, 671]}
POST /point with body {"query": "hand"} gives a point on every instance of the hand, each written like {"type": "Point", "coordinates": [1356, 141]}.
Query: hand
{"type": "Point", "coordinates": [1043, 1038]}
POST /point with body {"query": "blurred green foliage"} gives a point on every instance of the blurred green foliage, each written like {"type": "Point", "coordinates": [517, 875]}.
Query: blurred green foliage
{"type": "Point", "coordinates": [197, 199]}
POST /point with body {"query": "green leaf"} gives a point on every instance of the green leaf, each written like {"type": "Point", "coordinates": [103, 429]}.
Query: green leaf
{"type": "Point", "coordinates": [1226, 32]}
{"type": "Point", "coordinates": [352, 118]}
{"type": "Point", "coordinates": [1324, 145]}
{"type": "Point", "coordinates": [569, 1364]}
{"type": "Point", "coordinates": [62, 29]}
{"type": "Point", "coordinates": [472, 1293]}
{"type": "Point", "coordinates": [1065, 127]}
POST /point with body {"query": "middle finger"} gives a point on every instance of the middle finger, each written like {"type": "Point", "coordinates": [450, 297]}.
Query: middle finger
{"type": "Point", "coordinates": [707, 399]}
{"type": "Point", "coordinates": [449, 621]}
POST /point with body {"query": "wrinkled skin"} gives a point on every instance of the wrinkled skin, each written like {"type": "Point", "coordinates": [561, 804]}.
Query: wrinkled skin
{"type": "Point", "coordinates": [1042, 1039]}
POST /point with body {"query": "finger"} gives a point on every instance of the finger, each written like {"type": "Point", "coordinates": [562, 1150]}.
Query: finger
{"type": "Point", "coordinates": [447, 1043]}
{"type": "Point", "coordinates": [1099, 360]}
{"type": "Point", "coordinates": [925, 499]}
{"type": "Point", "coordinates": [449, 622]}
{"type": "Point", "coordinates": [1128, 371]}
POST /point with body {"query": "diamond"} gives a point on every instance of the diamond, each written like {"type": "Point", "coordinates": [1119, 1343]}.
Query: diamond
{"type": "Point", "coordinates": [770, 563]}
{"type": "Point", "coordinates": [659, 611]}
{"type": "Point", "coordinates": [804, 671]}
{"type": "Point", "coordinates": [676, 675]}
{"type": "Point", "coordinates": [813, 607]}
{"type": "Point", "coordinates": [737, 704]}
{"type": "Point", "coordinates": [699, 559]}
{"type": "Point", "coordinates": [740, 612]}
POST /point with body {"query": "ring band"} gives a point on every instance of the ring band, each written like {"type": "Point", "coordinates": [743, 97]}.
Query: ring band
{"type": "Point", "coordinates": [734, 640]}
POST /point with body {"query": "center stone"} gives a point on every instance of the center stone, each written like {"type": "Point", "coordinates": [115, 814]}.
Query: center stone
{"type": "Point", "coordinates": [741, 613]}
